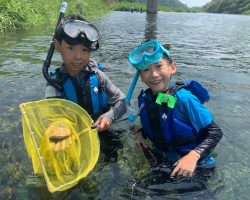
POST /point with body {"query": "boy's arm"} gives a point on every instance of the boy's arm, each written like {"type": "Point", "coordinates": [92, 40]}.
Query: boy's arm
{"type": "Point", "coordinates": [187, 164]}
{"type": "Point", "coordinates": [213, 135]}
{"type": "Point", "coordinates": [201, 119]}
{"type": "Point", "coordinates": [51, 92]}
{"type": "Point", "coordinates": [116, 98]}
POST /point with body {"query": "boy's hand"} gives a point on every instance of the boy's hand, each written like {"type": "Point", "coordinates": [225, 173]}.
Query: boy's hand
{"type": "Point", "coordinates": [102, 124]}
{"type": "Point", "coordinates": [139, 140]}
{"type": "Point", "coordinates": [186, 165]}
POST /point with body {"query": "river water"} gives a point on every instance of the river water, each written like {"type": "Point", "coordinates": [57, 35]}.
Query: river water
{"type": "Point", "coordinates": [213, 49]}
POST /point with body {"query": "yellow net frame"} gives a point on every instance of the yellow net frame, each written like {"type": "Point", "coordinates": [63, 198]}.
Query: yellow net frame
{"type": "Point", "coordinates": [63, 168]}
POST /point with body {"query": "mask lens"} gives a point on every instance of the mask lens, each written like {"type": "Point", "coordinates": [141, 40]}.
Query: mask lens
{"type": "Point", "coordinates": [147, 50]}
{"type": "Point", "coordinates": [150, 49]}
{"type": "Point", "coordinates": [75, 27]}
{"type": "Point", "coordinates": [91, 33]}
{"type": "Point", "coordinates": [71, 29]}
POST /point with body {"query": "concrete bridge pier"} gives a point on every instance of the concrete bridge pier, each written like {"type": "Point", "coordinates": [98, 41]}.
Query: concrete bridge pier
{"type": "Point", "coordinates": [152, 6]}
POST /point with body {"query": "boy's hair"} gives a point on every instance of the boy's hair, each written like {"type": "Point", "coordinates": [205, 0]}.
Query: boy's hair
{"type": "Point", "coordinates": [60, 35]}
{"type": "Point", "coordinates": [168, 59]}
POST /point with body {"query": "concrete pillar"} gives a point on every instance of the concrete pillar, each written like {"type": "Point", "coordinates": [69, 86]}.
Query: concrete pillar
{"type": "Point", "coordinates": [152, 6]}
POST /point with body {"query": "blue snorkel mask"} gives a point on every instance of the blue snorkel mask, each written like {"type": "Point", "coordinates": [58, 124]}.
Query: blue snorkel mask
{"type": "Point", "coordinates": [146, 54]}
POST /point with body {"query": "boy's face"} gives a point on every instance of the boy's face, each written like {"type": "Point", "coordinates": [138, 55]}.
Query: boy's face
{"type": "Point", "coordinates": [75, 57]}
{"type": "Point", "coordinates": [157, 76]}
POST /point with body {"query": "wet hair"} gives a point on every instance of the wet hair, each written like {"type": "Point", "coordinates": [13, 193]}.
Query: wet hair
{"type": "Point", "coordinates": [165, 56]}
{"type": "Point", "coordinates": [60, 35]}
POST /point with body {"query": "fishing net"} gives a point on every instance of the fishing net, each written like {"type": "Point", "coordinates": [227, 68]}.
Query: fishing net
{"type": "Point", "coordinates": [60, 141]}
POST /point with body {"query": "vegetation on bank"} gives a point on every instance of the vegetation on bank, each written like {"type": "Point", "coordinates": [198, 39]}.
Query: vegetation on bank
{"type": "Point", "coordinates": [168, 3]}
{"type": "Point", "coordinates": [228, 6]}
{"type": "Point", "coordinates": [176, 9]}
{"type": "Point", "coordinates": [128, 6]}
{"type": "Point", "coordinates": [23, 14]}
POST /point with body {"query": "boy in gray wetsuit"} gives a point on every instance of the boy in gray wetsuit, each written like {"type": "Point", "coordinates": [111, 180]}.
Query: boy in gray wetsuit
{"type": "Point", "coordinates": [83, 82]}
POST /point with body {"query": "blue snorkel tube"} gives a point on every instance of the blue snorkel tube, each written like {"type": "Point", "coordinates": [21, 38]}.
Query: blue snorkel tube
{"type": "Point", "coordinates": [131, 116]}
{"type": "Point", "coordinates": [47, 62]}
{"type": "Point", "coordinates": [140, 58]}
{"type": "Point", "coordinates": [132, 87]}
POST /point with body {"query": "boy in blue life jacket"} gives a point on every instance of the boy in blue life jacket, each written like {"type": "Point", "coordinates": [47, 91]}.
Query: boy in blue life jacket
{"type": "Point", "coordinates": [81, 79]}
{"type": "Point", "coordinates": [173, 118]}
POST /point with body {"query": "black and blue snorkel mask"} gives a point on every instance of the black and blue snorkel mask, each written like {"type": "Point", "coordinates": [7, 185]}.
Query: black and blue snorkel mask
{"type": "Point", "coordinates": [77, 31]}
{"type": "Point", "coordinates": [74, 32]}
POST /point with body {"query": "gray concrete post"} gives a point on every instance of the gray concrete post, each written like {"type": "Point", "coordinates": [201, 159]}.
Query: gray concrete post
{"type": "Point", "coordinates": [152, 6]}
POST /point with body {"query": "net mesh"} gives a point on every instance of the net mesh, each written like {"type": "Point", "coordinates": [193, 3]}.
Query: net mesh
{"type": "Point", "coordinates": [59, 141]}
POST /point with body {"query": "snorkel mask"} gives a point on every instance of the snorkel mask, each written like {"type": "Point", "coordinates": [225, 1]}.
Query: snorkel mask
{"type": "Point", "coordinates": [146, 54]}
{"type": "Point", "coordinates": [141, 57]}
{"type": "Point", "coordinates": [77, 31]}
{"type": "Point", "coordinates": [73, 31]}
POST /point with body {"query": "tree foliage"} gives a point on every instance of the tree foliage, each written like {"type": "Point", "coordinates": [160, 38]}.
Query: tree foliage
{"type": "Point", "coordinates": [23, 14]}
{"type": "Point", "coordinates": [228, 6]}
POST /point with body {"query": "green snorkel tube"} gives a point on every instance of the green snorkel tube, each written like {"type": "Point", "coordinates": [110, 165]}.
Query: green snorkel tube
{"type": "Point", "coordinates": [47, 62]}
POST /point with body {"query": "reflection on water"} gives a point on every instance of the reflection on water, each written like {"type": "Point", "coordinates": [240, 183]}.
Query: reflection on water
{"type": "Point", "coordinates": [212, 49]}
{"type": "Point", "coordinates": [151, 26]}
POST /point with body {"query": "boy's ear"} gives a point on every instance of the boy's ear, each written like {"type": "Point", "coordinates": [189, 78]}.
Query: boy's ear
{"type": "Point", "coordinates": [173, 67]}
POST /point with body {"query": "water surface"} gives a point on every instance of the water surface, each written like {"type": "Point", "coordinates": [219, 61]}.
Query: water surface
{"type": "Point", "coordinates": [210, 48]}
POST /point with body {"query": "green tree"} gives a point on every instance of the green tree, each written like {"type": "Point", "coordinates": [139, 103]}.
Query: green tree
{"type": "Point", "coordinates": [228, 6]}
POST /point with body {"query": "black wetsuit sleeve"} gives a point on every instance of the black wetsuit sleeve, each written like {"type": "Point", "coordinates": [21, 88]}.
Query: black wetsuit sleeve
{"type": "Point", "coordinates": [213, 135]}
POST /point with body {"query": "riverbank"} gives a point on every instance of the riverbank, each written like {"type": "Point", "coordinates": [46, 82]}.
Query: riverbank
{"type": "Point", "coordinates": [141, 7]}
{"type": "Point", "coordinates": [26, 14]}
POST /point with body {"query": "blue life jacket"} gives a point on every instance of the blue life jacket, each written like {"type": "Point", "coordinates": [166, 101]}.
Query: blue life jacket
{"type": "Point", "coordinates": [85, 92]}
{"type": "Point", "coordinates": [162, 127]}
